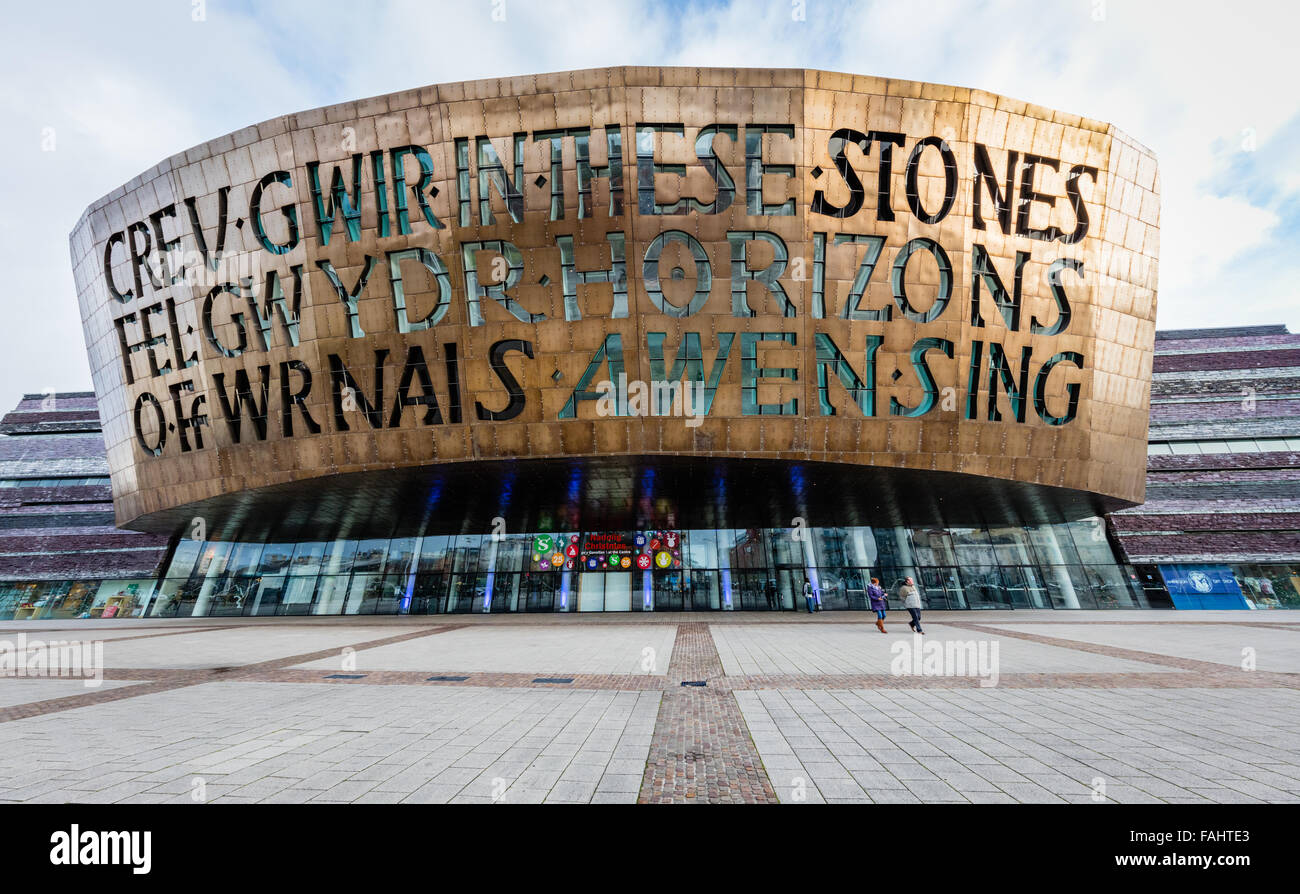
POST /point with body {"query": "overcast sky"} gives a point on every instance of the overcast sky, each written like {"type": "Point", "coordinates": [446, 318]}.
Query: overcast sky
{"type": "Point", "coordinates": [93, 93]}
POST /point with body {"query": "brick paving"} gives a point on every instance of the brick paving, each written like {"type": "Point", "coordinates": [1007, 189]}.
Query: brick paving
{"type": "Point", "coordinates": [701, 750]}
{"type": "Point", "coordinates": [822, 722]}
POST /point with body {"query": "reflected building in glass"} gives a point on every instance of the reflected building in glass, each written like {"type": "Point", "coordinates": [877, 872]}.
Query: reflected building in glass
{"type": "Point", "coordinates": [1071, 565]}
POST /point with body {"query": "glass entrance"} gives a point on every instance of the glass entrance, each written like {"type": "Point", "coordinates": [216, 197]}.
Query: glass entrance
{"type": "Point", "coordinates": [591, 591]}
{"type": "Point", "coordinates": [789, 587]}
{"type": "Point", "coordinates": [539, 591]}
{"type": "Point", "coordinates": [668, 591]}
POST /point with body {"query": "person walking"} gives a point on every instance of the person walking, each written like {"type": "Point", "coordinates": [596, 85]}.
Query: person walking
{"type": "Point", "coordinates": [876, 594]}
{"type": "Point", "coordinates": [911, 597]}
{"type": "Point", "coordinates": [809, 598]}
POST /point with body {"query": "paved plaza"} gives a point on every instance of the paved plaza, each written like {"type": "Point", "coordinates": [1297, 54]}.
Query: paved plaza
{"type": "Point", "coordinates": [1084, 707]}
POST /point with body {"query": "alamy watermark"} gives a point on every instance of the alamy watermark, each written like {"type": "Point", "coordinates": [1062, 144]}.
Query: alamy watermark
{"type": "Point", "coordinates": [21, 657]}
{"type": "Point", "coordinates": [655, 398]}
{"type": "Point", "coordinates": [946, 658]}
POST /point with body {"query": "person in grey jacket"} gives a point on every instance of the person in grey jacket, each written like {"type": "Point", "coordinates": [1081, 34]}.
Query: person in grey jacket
{"type": "Point", "coordinates": [911, 597]}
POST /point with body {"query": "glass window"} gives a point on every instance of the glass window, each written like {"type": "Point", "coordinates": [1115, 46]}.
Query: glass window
{"type": "Point", "coordinates": [212, 560]}
{"type": "Point", "coordinates": [176, 598]}
{"type": "Point", "coordinates": [933, 546]}
{"type": "Point", "coordinates": [984, 587]}
{"type": "Point", "coordinates": [972, 546]}
{"type": "Point", "coordinates": [701, 549]}
{"type": "Point", "coordinates": [307, 559]}
{"type": "Point", "coordinates": [1052, 545]}
{"type": "Point", "coordinates": [266, 598]}
{"type": "Point", "coordinates": [830, 547]}
{"type": "Point", "coordinates": [1110, 585]}
{"type": "Point", "coordinates": [894, 549]}
{"type": "Point", "coordinates": [1242, 446]}
{"type": "Point", "coordinates": [513, 553]}
{"type": "Point", "coordinates": [330, 595]}
{"type": "Point", "coordinates": [781, 549]}
{"type": "Point", "coordinates": [77, 598]}
{"type": "Point", "coordinates": [1269, 586]}
{"type": "Point", "coordinates": [365, 593]}
{"type": "Point", "coordinates": [860, 550]}
{"type": "Point", "coordinates": [369, 556]}
{"type": "Point", "coordinates": [435, 554]}
{"type": "Point", "coordinates": [1090, 540]}
{"type": "Point", "coordinates": [184, 558]}
{"type": "Point", "coordinates": [465, 552]}
{"type": "Point", "coordinates": [338, 556]}
{"type": "Point", "coordinates": [298, 593]}
{"type": "Point", "coordinates": [229, 596]}
{"type": "Point", "coordinates": [750, 550]}
{"type": "Point", "coordinates": [276, 559]}
{"type": "Point", "coordinates": [1011, 546]}
{"type": "Point", "coordinates": [243, 559]}
{"type": "Point", "coordinates": [166, 601]}
{"type": "Point", "coordinates": [1082, 587]}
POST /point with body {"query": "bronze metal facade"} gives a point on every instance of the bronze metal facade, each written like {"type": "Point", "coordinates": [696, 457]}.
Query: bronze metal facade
{"type": "Point", "coordinates": [912, 289]}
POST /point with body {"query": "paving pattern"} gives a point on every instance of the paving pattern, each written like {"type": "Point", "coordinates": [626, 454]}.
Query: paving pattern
{"type": "Point", "coordinates": [701, 750]}
{"type": "Point", "coordinates": [1082, 707]}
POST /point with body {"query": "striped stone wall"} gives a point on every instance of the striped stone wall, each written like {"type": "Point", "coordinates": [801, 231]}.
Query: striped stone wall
{"type": "Point", "coordinates": [1231, 501]}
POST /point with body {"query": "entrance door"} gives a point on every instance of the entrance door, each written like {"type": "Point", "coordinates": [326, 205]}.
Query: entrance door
{"type": "Point", "coordinates": [539, 591]}
{"type": "Point", "coordinates": [618, 591]}
{"type": "Point", "coordinates": [789, 587]}
{"type": "Point", "coordinates": [668, 591]}
{"type": "Point", "coordinates": [591, 591]}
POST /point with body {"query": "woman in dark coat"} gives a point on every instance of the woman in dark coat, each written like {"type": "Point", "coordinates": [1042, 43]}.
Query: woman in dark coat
{"type": "Point", "coordinates": [876, 594]}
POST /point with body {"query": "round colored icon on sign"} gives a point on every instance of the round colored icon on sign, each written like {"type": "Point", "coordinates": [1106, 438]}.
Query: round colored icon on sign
{"type": "Point", "coordinates": [557, 560]}
{"type": "Point", "coordinates": [613, 561]}
{"type": "Point", "coordinates": [593, 562]}
{"type": "Point", "coordinates": [663, 559]}
{"type": "Point", "coordinates": [625, 562]}
{"type": "Point", "coordinates": [571, 550]}
{"type": "Point", "coordinates": [654, 544]}
{"type": "Point", "coordinates": [542, 543]}
{"type": "Point", "coordinates": [568, 565]}
{"type": "Point", "coordinates": [640, 540]}
{"type": "Point", "coordinates": [643, 562]}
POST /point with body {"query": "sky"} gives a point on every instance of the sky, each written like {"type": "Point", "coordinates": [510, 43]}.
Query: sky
{"type": "Point", "coordinates": [93, 93]}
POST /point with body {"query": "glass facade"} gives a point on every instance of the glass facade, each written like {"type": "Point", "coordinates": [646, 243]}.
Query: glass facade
{"type": "Point", "coordinates": [60, 599]}
{"type": "Point", "coordinates": [743, 569]}
{"type": "Point", "coordinates": [1269, 586]}
{"type": "Point", "coordinates": [757, 569]}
